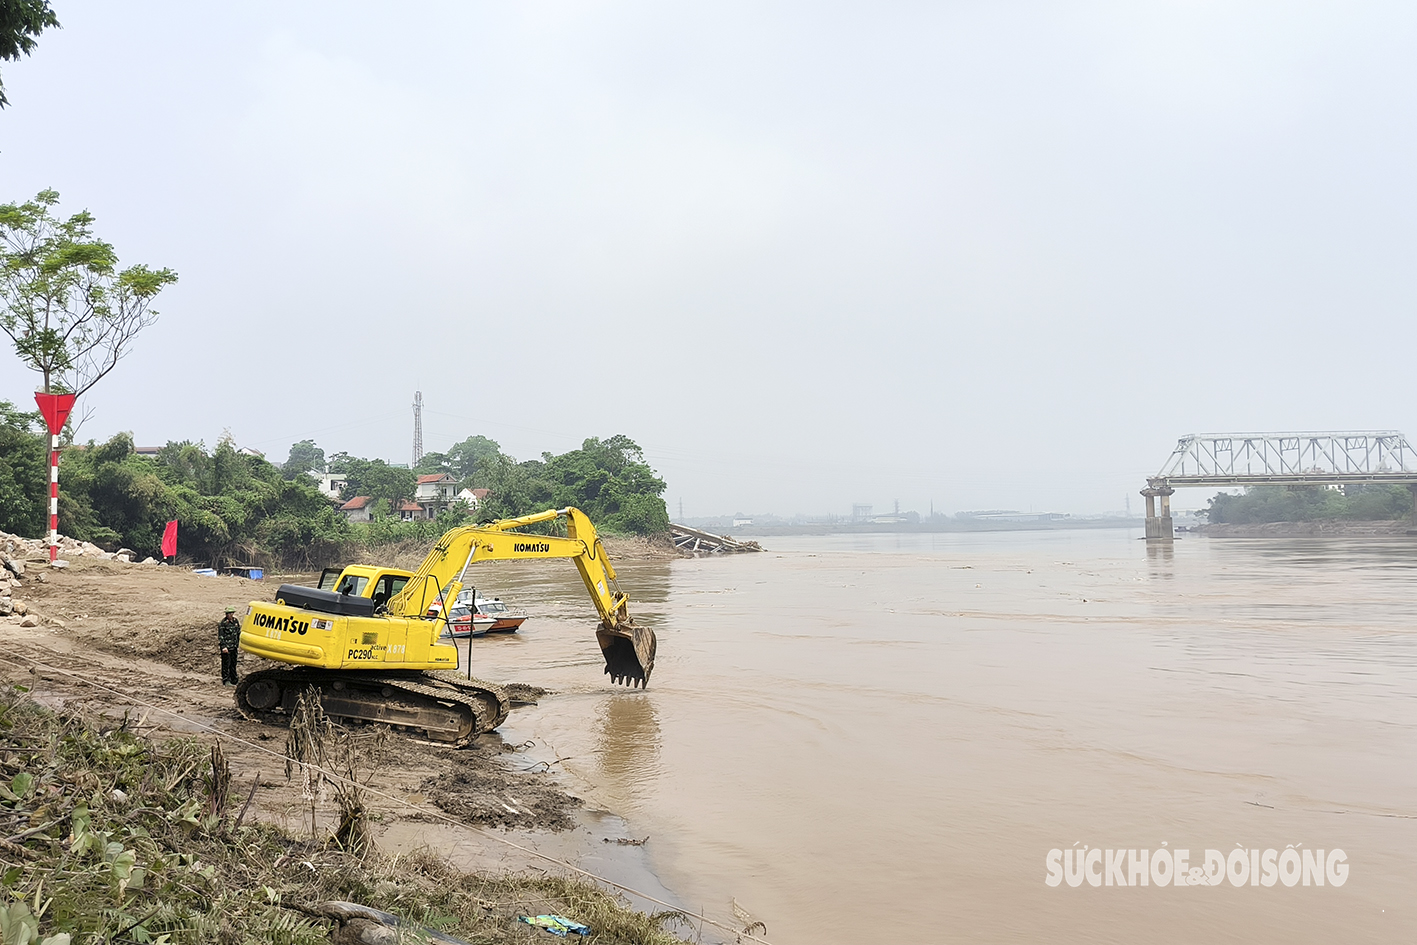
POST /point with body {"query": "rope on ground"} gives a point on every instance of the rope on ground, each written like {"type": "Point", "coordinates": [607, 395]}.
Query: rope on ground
{"type": "Point", "coordinates": [397, 801]}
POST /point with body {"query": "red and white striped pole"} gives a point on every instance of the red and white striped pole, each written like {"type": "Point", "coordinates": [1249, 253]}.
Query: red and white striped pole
{"type": "Point", "coordinates": [53, 497]}
{"type": "Point", "coordinates": [55, 409]}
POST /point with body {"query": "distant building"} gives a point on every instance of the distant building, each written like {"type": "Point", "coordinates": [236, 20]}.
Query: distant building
{"type": "Point", "coordinates": [1008, 516]}
{"type": "Point", "coordinates": [472, 498]}
{"type": "Point", "coordinates": [359, 509]}
{"type": "Point", "coordinates": [740, 522]}
{"type": "Point", "coordinates": [410, 511]}
{"type": "Point", "coordinates": [434, 493]}
{"type": "Point", "coordinates": [148, 451]}
{"type": "Point", "coordinates": [329, 483]}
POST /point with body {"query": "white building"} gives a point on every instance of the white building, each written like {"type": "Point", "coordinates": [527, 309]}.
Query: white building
{"type": "Point", "coordinates": [434, 493]}
{"type": "Point", "coordinates": [329, 484]}
{"type": "Point", "coordinates": [472, 498]}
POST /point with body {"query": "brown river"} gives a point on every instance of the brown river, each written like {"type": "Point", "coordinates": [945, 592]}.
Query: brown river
{"type": "Point", "coordinates": [892, 738]}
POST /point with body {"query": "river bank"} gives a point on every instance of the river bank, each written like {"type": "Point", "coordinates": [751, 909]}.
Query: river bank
{"type": "Point", "coordinates": [1327, 529]}
{"type": "Point", "coordinates": [104, 639]}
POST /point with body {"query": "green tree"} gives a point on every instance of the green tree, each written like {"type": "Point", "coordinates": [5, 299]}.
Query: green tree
{"type": "Point", "coordinates": [462, 459]}
{"type": "Point", "coordinates": [374, 478]}
{"type": "Point", "coordinates": [21, 21]}
{"type": "Point", "coordinates": [70, 311]}
{"type": "Point", "coordinates": [304, 457]}
{"type": "Point", "coordinates": [233, 508]}
{"type": "Point", "coordinates": [1354, 502]}
{"type": "Point", "coordinates": [24, 471]}
{"type": "Point", "coordinates": [607, 479]}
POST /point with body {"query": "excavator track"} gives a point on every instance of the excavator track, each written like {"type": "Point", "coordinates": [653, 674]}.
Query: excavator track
{"type": "Point", "coordinates": [443, 707]}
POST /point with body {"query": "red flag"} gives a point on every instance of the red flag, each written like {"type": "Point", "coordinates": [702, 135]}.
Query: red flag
{"type": "Point", "coordinates": [169, 539]}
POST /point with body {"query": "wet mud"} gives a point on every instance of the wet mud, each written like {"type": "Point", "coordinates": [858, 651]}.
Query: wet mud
{"type": "Point", "coordinates": [140, 641]}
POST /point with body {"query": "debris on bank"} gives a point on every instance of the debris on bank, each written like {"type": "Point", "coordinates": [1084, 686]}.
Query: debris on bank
{"type": "Point", "coordinates": [695, 542]}
{"type": "Point", "coordinates": [25, 561]}
{"type": "Point", "coordinates": [38, 548]}
{"type": "Point", "coordinates": [115, 836]}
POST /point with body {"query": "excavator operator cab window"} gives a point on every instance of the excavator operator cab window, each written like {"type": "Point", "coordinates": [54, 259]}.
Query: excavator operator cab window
{"type": "Point", "coordinates": [352, 585]}
{"type": "Point", "coordinates": [328, 577]}
{"type": "Point", "coordinates": [388, 586]}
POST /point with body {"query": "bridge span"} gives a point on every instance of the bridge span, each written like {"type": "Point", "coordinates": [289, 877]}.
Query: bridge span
{"type": "Point", "coordinates": [1277, 459]}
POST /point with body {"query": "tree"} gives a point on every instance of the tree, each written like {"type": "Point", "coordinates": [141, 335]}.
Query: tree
{"type": "Point", "coordinates": [607, 479]}
{"type": "Point", "coordinates": [68, 308]}
{"type": "Point", "coordinates": [1354, 502]}
{"type": "Point", "coordinates": [475, 451]}
{"type": "Point", "coordinates": [20, 22]}
{"type": "Point", "coordinates": [462, 459]}
{"type": "Point", "coordinates": [304, 457]}
{"type": "Point", "coordinates": [233, 508]}
{"type": "Point", "coordinates": [24, 471]}
{"type": "Point", "coordinates": [374, 478]}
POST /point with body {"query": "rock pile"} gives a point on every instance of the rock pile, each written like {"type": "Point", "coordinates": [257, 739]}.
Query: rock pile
{"type": "Point", "coordinates": [14, 545]}
{"type": "Point", "coordinates": [24, 560]}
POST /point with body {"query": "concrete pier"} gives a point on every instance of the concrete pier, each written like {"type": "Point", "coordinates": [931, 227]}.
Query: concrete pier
{"type": "Point", "coordinates": [1158, 527]}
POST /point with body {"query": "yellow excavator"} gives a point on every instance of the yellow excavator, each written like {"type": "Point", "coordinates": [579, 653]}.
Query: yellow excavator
{"type": "Point", "coordinates": [368, 638]}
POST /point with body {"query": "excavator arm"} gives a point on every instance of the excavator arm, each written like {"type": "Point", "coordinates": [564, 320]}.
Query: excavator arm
{"type": "Point", "coordinates": [628, 648]}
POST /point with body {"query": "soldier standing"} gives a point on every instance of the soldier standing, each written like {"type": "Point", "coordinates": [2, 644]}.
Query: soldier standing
{"type": "Point", "coordinates": [228, 637]}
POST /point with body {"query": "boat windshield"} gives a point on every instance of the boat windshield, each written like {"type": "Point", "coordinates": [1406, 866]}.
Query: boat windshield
{"type": "Point", "coordinates": [492, 607]}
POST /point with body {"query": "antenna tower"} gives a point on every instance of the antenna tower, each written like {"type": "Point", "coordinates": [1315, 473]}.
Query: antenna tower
{"type": "Point", "coordinates": [417, 427]}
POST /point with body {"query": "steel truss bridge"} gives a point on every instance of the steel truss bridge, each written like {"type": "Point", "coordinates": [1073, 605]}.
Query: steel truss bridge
{"type": "Point", "coordinates": [1278, 459]}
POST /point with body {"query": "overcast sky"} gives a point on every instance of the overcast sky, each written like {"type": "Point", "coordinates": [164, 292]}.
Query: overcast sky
{"type": "Point", "coordinates": [975, 254]}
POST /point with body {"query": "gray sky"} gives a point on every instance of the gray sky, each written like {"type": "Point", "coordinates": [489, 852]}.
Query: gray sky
{"type": "Point", "coordinates": [989, 255]}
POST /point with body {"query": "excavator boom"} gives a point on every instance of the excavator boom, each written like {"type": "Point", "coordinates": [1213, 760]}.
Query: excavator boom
{"type": "Point", "coordinates": [628, 648]}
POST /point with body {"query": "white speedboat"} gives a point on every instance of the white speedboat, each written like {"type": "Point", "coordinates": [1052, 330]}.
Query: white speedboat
{"type": "Point", "coordinates": [504, 619]}
{"type": "Point", "coordinates": [463, 622]}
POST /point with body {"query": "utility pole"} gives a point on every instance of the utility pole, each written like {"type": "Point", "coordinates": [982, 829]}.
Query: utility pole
{"type": "Point", "coordinates": [417, 427]}
{"type": "Point", "coordinates": [681, 509]}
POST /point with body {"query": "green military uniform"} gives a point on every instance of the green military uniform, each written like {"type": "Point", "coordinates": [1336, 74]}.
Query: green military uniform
{"type": "Point", "coordinates": [228, 638]}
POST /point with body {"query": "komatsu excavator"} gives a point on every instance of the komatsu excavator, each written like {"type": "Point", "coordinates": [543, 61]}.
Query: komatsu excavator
{"type": "Point", "coordinates": [368, 638]}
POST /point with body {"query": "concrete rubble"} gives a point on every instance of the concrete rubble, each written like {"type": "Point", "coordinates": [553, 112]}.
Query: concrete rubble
{"type": "Point", "coordinates": [21, 561]}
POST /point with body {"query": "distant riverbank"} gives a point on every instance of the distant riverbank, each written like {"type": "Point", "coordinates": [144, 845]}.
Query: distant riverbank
{"type": "Point", "coordinates": [912, 528]}
{"type": "Point", "coordinates": [1330, 529]}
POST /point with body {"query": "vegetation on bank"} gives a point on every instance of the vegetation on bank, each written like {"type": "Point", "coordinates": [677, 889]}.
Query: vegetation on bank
{"type": "Point", "coordinates": [1357, 502]}
{"type": "Point", "coordinates": [117, 837]}
{"type": "Point", "coordinates": [236, 508]}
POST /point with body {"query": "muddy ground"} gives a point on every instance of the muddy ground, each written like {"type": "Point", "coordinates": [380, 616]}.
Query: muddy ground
{"type": "Point", "coordinates": [141, 638]}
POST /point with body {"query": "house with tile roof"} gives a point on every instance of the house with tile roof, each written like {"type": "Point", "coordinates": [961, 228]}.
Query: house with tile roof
{"type": "Point", "coordinates": [359, 509]}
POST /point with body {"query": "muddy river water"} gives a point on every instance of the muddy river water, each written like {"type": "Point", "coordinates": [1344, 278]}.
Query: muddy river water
{"type": "Point", "coordinates": [881, 738]}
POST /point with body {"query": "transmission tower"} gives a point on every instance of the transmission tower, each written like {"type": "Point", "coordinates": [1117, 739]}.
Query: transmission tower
{"type": "Point", "coordinates": [417, 427]}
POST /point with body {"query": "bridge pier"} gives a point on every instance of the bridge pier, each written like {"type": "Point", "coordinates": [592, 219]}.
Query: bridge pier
{"type": "Point", "coordinates": [1158, 527]}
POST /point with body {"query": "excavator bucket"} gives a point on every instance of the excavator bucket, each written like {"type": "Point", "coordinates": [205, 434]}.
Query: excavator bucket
{"type": "Point", "coordinates": [629, 653]}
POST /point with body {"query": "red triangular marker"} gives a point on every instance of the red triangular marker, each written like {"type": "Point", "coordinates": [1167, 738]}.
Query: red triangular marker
{"type": "Point", "coordinates": [55, 408]}
{"type": "Point", "coordinates": [169, 539]}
